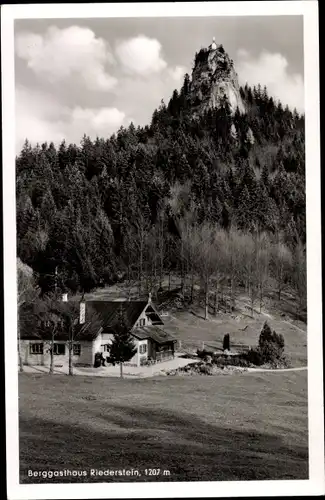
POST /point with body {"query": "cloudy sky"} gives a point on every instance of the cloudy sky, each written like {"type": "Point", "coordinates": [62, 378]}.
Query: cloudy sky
{"type": "Point", "coordinates": [76, 76]}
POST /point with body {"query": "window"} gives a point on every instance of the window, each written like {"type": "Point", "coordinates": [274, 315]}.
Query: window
{"type": "Point", "coordinates": [59, 349]}
{"type": "Point", "coordinates": [142, 322]}
{"type": "Point", "coordinates": [76, 349]}
{"type": "Point", "coordinates": [105, 347]}
{"type": "Point", "coordinates": [36, 348]}
{"type": "Point", "coordinates": [143, 348]}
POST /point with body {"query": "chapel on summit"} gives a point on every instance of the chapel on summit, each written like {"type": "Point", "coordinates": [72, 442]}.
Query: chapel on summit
{"type": "Point", "coordinates": [213, 45]}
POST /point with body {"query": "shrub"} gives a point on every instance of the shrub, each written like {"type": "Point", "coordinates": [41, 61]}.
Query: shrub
{"type": "Point", "coordinates": [204, 353]}
{"type": "Point", "coordinates": [253, 357]}
{"type": "Point", "coordinates": [270, 345]}
{"type": "Point", "coordinates": [226, 342]}
{"type": "Point", "coordinates": [206, 369]}
{"type": "Point", "coordinates": [98, 360]}
{"type": "Point", "coordinates": [208, 359]}
{"type": "Point", "coordinates": [240, 360]}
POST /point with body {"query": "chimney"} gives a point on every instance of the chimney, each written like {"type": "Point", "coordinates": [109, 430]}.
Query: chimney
{"type": "Point", "coordinates": [82, 312]}
{"type": "Point", "coordinates": [149, 298]}
{"type": "Point", "coordinates": [65, 297]}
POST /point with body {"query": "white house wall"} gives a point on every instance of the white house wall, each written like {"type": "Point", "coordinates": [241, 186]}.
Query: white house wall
{"type": "Point", "coordinates": [86, 353]}
{"type": "Point", "coordinates": [141, 356]}
{"type": "Point", "coordinates": [59, 359]}
{"type": "Point", "coordinates": [96, 346]}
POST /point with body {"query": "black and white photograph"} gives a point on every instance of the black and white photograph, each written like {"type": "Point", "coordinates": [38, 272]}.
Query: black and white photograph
{"type": "Point", "coordinates": [163, 314]}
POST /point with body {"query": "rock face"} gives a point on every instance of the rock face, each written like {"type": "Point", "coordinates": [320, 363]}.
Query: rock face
{"type": "Point", "coordinates": [214, 77]}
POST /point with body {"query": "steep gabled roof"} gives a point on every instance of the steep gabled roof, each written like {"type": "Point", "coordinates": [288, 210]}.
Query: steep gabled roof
{"type": "Point", "coordinates": [153, 332]}
{"type": "Point", "coordinates": [31, 327]}
{"type": "Point", "coordinates": [109, 311]}
{"type": "Point", "coordinates": [81, 332]}
{"type": "Point", "coordinates": [108, 314]}
{"type": "Point", "coordinates": [140, 334]}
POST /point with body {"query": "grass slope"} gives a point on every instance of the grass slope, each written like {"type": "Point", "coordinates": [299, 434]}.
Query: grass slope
{"type": "Point", "coordinates": [231, 427]}
{"type": "Point", "coordinates": [192, 330]}
{"type": "Point", "coordinates": [189, 326]}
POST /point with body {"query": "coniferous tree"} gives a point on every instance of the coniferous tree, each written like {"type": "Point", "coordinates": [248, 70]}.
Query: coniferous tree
{"type": "Point", "coordinates": [122, 347]}
{"type": "Point", "coordinates": [76, 204]}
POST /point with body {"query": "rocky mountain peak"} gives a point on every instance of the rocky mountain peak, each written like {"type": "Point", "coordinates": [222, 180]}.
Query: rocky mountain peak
{"type": "Point", "coordinates": [214, 77]}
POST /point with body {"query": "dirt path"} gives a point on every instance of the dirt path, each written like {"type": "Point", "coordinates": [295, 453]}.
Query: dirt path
{"type": "Point", "coordinates": [295, 326]}
{"type": "Point", "coordinates": [114, 371]}
{"type": "Point", "coordinates": [275, 370]}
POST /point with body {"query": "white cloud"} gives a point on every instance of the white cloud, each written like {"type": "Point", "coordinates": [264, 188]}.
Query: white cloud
{"type": "Point", "coordinates": [40, 118]}
{"type": "Point", "coordinates": [242, 53]}
{"type": "Point", "coordinates": [63, 53]}
{"type": "Point", "coordinates": [139, 96]}
{"type": "Point", "coordinates": [141, 55]}
{"type": "Point", "coordinates": [177, 73]}
{"type": "Point", "coordinates": [98, 119]}
{"type": "Point", "coordinates": [272, 70]}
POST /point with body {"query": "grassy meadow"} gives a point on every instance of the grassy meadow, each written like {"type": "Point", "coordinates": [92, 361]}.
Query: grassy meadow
{"type": "Point", "coordinates": [230, 427]}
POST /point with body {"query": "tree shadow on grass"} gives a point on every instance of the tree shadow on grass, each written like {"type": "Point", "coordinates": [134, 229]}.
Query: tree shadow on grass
{"type": "Point", "coordinates": [145, 438]}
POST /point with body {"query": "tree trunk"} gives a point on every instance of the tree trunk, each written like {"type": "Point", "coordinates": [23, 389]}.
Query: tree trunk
{"type": "Point", "coordinates": [70, 354]}
{"type": "Point", "coordinates": [70, 360]}
{"type": "Point", "coordinates": [182, 269]}
{"type": "Point", "coordinates": [154, 284]}
{"type": "Point", "coordinates": [161, 266]}
{"type": "Point", "coordinates": [128, 274]}
{"type": "Point", "coordinates": [21, 366]}
{"type": "Point", "coordinates": [169, 280]}
{"type": "Point", "coordinates": [147, 282]}
{"type": "Point", "coordinates": [139, 285]}
{"type": "Point", "coordinates": [216, 300]}
{"type": "Point", "coordinates": [206, 299]}
{"type": "Point", "coordinates": [280, 280]}
{"type": "Point", "coordinates": [192, 287]}
{"type": "Point", "coordinates": [121, 369]}
{"type": "Point", "coordinates": [140, 268]}
{"type": "Point", "coordinates": [182, 281]}
{"type": "Point", "coordinates": [232, 305]}
{"type": "Point", "coordinates": [252, 301]}
{"type": "Point", "coordinates": [52, 354]}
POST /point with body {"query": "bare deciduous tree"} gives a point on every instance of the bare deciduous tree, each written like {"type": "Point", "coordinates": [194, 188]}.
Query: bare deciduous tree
{"type": "Point", "coordinates": [220, 258]}
{"type": "Point", "coordinates": [161, 243]}
{"type": "Point", "coordinates": [281, 266]}
{"type": "Point", "coordinates": [248, 267]}
{"type": "Point", "coordinates": [138, 236]}
{"type": "Point", "coordinates": [188, 227]}
{"type": "Point", "coordinates": [233, 263]}
{"type": "Point", "coordinates": [72, 325]}
{"type": "Point", "coordinates": [299, 276]}
{"type": "Point", "coordinates": [262, 245]}
{"type": "Point", "coordinates": [28, 291]}
{"type": "Point", "coordinates": [203, 247]}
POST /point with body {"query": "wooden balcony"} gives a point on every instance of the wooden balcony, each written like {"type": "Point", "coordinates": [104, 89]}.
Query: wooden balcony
{"type": "Point", "coordinates": [164, 356]}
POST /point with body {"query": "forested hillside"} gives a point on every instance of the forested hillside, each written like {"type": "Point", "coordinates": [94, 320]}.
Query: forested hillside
{"type": "Point", "coordinates": [130, 205]}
